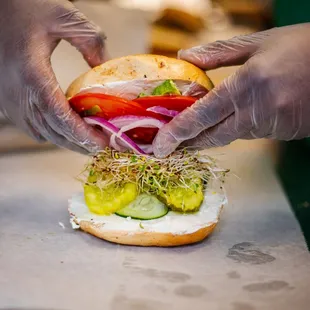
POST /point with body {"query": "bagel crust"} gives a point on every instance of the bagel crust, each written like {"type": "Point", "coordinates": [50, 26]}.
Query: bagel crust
{"type": "Point", "coordinates": [146, 238]}
{"type": "Point", "coordinates": [139, 67]}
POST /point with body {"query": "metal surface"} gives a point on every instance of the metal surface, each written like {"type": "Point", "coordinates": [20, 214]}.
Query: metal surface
{"type": "Point", "coordinates": [256, 258]}
{"type": "Point", "coordinates": [13, 140]}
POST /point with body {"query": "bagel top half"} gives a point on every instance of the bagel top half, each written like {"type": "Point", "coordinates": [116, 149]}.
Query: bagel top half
{"type": "Point", "coordinates": [139, 67]}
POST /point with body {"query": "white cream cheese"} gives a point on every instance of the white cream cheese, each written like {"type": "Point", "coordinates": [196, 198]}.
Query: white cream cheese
{"type": "Point", "coordinates": [131, 89]}
{"type": "Point", "coordinates": [173, 222]}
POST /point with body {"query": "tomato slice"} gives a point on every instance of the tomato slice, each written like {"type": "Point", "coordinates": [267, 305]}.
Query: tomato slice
{"type": "Point", "coordinates": [109, 106]}
{"type": "Point", "coordinates": [142, 135]}
{"type": "Point", "coordinates": [177, 103]}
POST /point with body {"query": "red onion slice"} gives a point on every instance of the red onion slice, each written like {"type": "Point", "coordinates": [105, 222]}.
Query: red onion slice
{"type": "Point", "coordinates": [163, 111]}
{"type": "Point", "coordinates": [128, 122]}
{"type": "Point", "coordinates": [116, 144]}
{"type": "Point", "coordinates": [107, 126]}
{"type": "Point", "coordinates": [118, 125]}
{"type": "Point", "coordinates": [144, 123]}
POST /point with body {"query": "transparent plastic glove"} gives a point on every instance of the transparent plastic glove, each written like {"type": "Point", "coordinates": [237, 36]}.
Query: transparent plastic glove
{"type": "Point", "coordinates": [268, 97]}
{"type": "Point", "coordinates": [29, 93]}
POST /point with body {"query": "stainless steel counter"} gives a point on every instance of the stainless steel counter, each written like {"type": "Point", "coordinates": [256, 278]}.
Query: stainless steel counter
{"type": "Point", "coordinates": [256, 258]}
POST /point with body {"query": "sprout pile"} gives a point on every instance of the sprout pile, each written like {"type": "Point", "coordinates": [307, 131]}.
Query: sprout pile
{"type": "Point", "coordinates": [151, 175]}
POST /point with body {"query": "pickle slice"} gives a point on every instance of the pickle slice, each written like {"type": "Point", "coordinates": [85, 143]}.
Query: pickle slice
{"type": "Point", "coordinates": [110, 199]}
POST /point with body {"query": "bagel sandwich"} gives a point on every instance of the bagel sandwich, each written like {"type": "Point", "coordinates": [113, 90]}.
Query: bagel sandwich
{"type": "Point", "coordinates": [129, 196]}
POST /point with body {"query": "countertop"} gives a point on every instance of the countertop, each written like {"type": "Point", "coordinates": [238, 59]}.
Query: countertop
{"type": "Point", "coordinates": [255, 259]}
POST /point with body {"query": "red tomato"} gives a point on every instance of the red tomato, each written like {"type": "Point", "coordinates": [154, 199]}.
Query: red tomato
{"type": "Point", "coordinates": [142, 135]}
{"type": "Point", "coordinates": [177, 103]}
{"type": "Point", "coordinates": [110, 106]}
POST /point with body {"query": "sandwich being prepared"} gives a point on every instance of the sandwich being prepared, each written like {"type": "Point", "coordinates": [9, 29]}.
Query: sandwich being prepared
{"type": "Point", "coordinates": [131, 197]}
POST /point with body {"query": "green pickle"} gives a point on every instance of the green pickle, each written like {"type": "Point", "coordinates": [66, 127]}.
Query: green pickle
{"type": "Point", "coordinates": [125, 200]}
{"type": "Point", "coordinates": [184, 200]}
{"type": "Point", "coordinates": [110, 199]}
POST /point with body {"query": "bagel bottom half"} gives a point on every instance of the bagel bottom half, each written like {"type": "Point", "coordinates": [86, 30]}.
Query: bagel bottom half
{"type": "Point", "coordinates": [173, 229]}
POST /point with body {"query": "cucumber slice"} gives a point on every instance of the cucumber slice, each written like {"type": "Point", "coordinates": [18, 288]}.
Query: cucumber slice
{"type": "Point", "coordinates": [145, 207]}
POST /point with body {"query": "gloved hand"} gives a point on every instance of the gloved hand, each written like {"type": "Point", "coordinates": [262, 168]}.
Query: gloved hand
{"type": "Point", "coordinates": [268, 97]}
{"type": "Point", "coordinates": [29, 93]}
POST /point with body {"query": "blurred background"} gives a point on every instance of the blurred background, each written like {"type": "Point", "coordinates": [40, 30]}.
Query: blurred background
{"type": "Point", "coordinates": [164, 27]}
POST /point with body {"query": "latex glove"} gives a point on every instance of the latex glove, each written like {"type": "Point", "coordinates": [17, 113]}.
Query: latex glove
{"type": "Point", "coordinates": [268, 97]}
{"type": "Point", "coordinates": [29, 93]}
